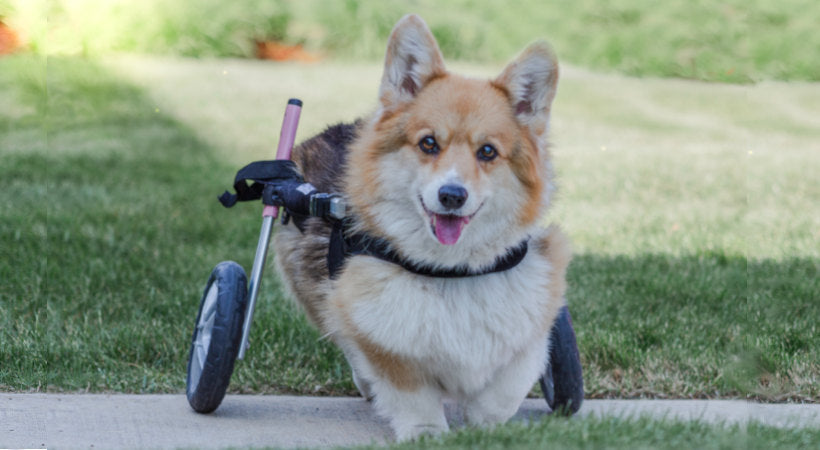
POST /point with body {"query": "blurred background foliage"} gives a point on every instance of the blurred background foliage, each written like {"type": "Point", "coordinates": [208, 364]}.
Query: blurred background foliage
{"type": "Point", "coordinates": [737, 41]}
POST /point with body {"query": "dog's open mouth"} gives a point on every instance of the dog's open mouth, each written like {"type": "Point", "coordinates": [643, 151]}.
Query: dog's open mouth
{"type": "Point", "coordinates": [447, 227]}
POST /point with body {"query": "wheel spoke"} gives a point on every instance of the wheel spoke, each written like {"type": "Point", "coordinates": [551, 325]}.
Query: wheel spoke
{"type": "Point", "coordinates": [201, 354]}
{"type": "Point", "coordinates": [206, 324]}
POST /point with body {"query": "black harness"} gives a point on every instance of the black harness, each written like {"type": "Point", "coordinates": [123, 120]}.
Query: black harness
{"type": "Point", "coordinates": [344, 244]}
{"type": "Point", "coordinates": [279, 184]}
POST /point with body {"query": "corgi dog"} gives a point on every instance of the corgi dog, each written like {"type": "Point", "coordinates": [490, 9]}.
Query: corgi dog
{"type": "Point", "coordinates": [450, 176]}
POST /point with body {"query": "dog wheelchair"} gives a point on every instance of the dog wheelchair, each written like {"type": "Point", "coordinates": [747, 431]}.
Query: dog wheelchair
{"type": "Point", "coordinates": [222, 326]}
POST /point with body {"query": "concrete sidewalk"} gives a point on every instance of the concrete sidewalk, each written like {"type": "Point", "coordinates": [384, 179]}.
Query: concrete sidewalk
{"type": "Point", "coordinates": [166, 421]}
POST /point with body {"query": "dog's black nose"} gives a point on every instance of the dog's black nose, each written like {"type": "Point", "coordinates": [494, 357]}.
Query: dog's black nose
{"type": "Point", "coordinates": [452, 196]}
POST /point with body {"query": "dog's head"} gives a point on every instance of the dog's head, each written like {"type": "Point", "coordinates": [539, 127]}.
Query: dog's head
{"type": "Point", "coordinates": [450, 163]}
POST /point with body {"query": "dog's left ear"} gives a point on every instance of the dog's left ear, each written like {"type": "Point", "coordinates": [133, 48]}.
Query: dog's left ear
{"type": "Point", "coordinates": [412, 60]}
{"type": "Point", "coordinates": [531, 81]}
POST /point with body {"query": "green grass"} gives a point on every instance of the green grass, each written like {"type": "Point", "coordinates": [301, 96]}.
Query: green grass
{"type": "Point", "coordinates": [109, 229]}
{"type": "Point", "coordinates": [613, 433]}
{"type": "Point", "coordinates": [23, 229]}
{"type": "Point", "coordinates": [699, 326]}
{"type": "Point", "coordinates": [693, 276]}
{"type": "Point", "coordinates": [618, 433]}
{"type": "Point", "coordinates": [734, 41]}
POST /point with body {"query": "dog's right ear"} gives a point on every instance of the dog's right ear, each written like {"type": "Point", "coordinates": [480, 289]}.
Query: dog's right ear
{"type": "Point", "coordinates": [531, 81]}
{"type": "Point", "coordinates": [412, 60]}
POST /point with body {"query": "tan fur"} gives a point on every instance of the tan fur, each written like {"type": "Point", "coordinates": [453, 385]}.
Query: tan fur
{"type": "Point", "coordinates": [555, 246]}
{"type": "Point", "coordinates": [401, 372]}
{"type": "Point", "coordinates": [527, 167]}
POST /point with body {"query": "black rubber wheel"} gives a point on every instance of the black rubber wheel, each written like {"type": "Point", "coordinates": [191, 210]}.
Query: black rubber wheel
{"type": "Point", "coordinates": [217, 336]}
{"type": "Point", "coordinates": [563, 381]}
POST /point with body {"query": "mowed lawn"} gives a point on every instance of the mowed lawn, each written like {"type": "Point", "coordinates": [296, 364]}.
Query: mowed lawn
{"type": "Point", "coordinates": [692, 208]}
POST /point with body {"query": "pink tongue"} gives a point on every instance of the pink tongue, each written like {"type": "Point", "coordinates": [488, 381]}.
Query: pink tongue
{"type": "Point", "coordinates": [448, 228]}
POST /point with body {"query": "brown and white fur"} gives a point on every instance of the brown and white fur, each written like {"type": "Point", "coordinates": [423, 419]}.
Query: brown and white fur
{"type": "Point", "coordinates": [410, 339]}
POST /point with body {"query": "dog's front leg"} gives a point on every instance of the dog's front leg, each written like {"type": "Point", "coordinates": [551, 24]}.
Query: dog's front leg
{"type": "Point", "coordinates": [399, 390]}
{"type": "Point", "coordinates": [411, 413]}
{"type": "Point", "coordinates": [503, 395]}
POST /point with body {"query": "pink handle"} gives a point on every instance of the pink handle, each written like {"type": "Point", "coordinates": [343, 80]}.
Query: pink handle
{"type": "Point", "coordinates": [288, 134]}
{"type": "Point", "coordinates": [286, 139]}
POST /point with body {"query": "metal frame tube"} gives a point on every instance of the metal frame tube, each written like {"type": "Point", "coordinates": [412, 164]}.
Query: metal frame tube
{"type": "Point", "coordinates": [256, 278]}
{"type": "Point", "coordinates": [287, 137]}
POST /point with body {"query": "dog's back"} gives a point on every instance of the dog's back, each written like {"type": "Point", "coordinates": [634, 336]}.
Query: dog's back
{"type": "Point", "coordinates": [322, 158]}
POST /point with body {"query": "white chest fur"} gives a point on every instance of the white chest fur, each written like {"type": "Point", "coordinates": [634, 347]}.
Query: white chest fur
{"type": "Point", "coordinates": [455, 328]}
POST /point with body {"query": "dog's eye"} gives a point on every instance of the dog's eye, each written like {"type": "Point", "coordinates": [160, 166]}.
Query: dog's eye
{"type": "Point", "coordinates": [487, 152]}
{"type": "Point", "coordinates": [428, 145]}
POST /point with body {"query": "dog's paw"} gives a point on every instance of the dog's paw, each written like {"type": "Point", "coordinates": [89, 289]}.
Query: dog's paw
{"type": "Point", "coordinates": [479, 417]}
{"type": "Point", "coordinates": [363, 385]}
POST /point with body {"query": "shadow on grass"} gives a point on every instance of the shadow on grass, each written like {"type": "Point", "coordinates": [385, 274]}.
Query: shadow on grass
{"type": "Point", "coordinates": [697, 326]}
{"type": "Point", "coordinates": [102, 279]}
{"type": "Point", "coordinates": [109, 212]}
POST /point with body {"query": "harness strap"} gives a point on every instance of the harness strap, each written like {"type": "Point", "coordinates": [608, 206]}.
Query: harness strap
{"type": "Point", "coordinates": [260, 173]}
{"type": "Point", "coordinates": [342, 247]}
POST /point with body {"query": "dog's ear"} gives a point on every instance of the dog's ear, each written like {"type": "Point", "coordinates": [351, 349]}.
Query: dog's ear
{"type": "Point", "coordinates": [412, 60]}
{"type": "Point", "coordinates": [531, 81]}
